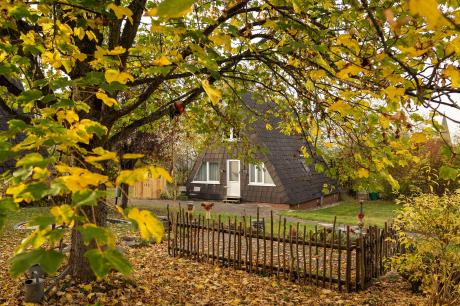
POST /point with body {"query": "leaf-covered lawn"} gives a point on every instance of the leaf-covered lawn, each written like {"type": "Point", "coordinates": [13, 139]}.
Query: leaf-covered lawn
{"type": "Point", "coordinates": [159, 279]}
{"type": "Point", "coordinates": [375, 213]}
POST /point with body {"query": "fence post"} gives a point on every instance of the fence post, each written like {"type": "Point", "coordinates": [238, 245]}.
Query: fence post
{"type": "Point", "coordinates": [348, 258]}
{"type": "Point", "coordinates": [339, 264]}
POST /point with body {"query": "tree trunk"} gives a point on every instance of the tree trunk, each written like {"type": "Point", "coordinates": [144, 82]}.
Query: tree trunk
{"type": "Point", "coordinates": [124, 195]}
{"type": "Point", "coordinates": [79, 266]}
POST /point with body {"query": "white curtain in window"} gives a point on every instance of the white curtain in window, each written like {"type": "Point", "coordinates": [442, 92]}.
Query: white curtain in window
{"type": "Point", "coordinates": [201, 174]}
{"type": "Point", "coordinates": [252, 173]}
{"type": "Point", "coordinates": [213, 172]}
{"type": "Point", "coordinates": [267, 177]}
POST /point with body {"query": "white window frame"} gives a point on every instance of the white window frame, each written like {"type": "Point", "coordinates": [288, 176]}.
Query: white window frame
{"type": "Point", "coordinates": [256, 170]}
{"type": "Point", "coordinates": [207, 175]}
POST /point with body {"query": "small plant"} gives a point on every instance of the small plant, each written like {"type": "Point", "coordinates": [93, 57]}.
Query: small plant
{"type": "Point", "coordinates": [428, 228]}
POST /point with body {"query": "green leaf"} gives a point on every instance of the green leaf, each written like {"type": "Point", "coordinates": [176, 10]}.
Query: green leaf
{"type": "Point", "coordinates": [97, 262]}
{"type": "Point", "coordinates": [174, 8]}
{"type": "Point", "coordinates": [43, 221]}
{"type": "Point", "coordinates": [32, 159]}
{"type": "Point", "coordinates": [92, 232]}
{"type": "Point", "coordinates": [34, 190]}
{"type": "Point", "coordinates": [49, 260]}
{"type": "Point", "coordinates": [7, 205]}
{"type": "Point", "coordinates": [448, 173]}
{"type": "Point", "coordinates": [21, 262]}
{"type": "Point", "coordinates": [118, 261]}
{"type": "Point", "coordinates": [85, 197]}
{"type": "Point", "coordinates": [30, 95]}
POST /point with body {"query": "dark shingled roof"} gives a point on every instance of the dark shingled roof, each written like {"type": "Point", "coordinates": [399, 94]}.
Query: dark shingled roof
{"type": "Point", "coordinates": [283, 154]}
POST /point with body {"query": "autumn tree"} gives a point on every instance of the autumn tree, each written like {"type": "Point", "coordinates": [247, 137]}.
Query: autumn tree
{"type": "Point", "coordinates": [80, 77]}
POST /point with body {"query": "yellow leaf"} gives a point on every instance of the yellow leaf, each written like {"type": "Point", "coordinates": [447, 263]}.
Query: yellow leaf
{"type": "Point", "coordinates": [79, 32]}
{"type": "Point", "coordinates": [347, 41]}
{"type": "Point", "coordinates": [393, 92]}
{"type": "Point", "coordinates": [418, 138]}
{"type": "Point", "coordinates": [268, 127]}
{"type": "Point", "coordinates": [349, 71]}
{"type": "Point", "coordinates": [106, 99]}
{"type": "Point", "coordinates": [132, 156]}
{"type": "Point", "coordinates": [131, 177]}
{"type": "Point", "coordinates": [69, 115]}
{"type": "Point", "coordinates": [117, 51]}
{"type": "Point", "coordinates": [162, 61]}
{"type": "Point", "coordinates": [101, 155]}
{"type": "Point", "coordinates": [63, 214]}
{"type": "Point", "coordinates": [213, 94]}
{"type": "Point", "coordinates": [121, 11]}
{"type": "Point", "coordinates": [329, 145]}
{"type": "Point", "coordinates": [341, 107]}
{"type": "Point", "coordinates": [429, 10]}
{"type": "Point", "coordinates": [317, 74]}
{"type": "Point", "coordinates": [91, 35]}
{"type": "Point", "coordinates": [454, 75]}
{"type": "Point", "coordinates": [112, 75]}
{"type": "Point", "coordinates": [222, 40]}
{"type": "Point", "coordinates": [149, 226]}
{"type": "Point", "coordinates": [384, 122]}
{"type": "Point", "coordinates": [158, 171]}
{"type": "Point", "coordinates": [362, 172]}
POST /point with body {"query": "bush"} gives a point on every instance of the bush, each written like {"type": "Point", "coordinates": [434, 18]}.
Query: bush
{"type": "Point", "coordinates": [428, 227]}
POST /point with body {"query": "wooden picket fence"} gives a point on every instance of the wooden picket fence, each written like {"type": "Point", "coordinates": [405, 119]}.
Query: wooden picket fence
{"type": "Point", "coordinates": [331, 258]}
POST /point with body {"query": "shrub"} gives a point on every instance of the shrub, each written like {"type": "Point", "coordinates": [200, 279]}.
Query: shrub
{"type": "Point", "coordinates": [428, 227]}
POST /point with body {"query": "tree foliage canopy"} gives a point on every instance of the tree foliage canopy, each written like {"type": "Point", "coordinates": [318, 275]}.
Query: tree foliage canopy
{"type": "Point", "coordinates": [77, 77]}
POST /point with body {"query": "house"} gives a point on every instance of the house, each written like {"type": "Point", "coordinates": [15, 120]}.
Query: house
{"type": "Point", "coordinates": [281, 176]}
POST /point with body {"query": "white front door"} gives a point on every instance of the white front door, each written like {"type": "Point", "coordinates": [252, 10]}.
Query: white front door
{"type": "Point", "coordinates": [233, 178]}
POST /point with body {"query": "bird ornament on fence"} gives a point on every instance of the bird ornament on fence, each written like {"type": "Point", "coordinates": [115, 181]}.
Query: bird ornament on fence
{"type": "Point", "coordinates": [207, 207]}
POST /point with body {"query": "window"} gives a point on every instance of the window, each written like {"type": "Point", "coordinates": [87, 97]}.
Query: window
{"type": "Point", "coordinates": [305, 165]}
{"type": "Point", "coordinates": [258, 175]}
{"type": "Point", "coordinates": [208, 173]}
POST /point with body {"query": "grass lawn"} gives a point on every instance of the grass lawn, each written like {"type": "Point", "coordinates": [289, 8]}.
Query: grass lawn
{"type": "Point", "coordinates": [375, 213]}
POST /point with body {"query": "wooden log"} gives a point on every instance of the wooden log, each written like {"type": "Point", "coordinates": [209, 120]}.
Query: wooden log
{"type": "Point", "coordinates": [297, 252]}
{"type": "Point", "coordinates": [291, 253]}
{"type": "Point", "coordinates": [332, 252]}
{"type": "Point", "coordinates": [213, 240]}
{"type": "Point", "coordinates": [223, 242]}
{"type": "Point", "coordinates": [339, 263]}
{"type": "Point", "coordinates": [278, 248]}
{"type": "Point", "coordinates": [246, 251]}
{"type": "Point", "coordinates": [271, 242]}
{"type": "Point", "coordinates": [257, 240]}
{"type": "Point", "coordinates": [250, 244]}
{"type": "Point", "coordinates": [304, 259]}
{"type": "Point", "coordinates": [235, 244]}
{"type": "Point", "coordinates": [357, 265]}
{"type": "Point", "coordinates": [240, 228]}
{"type": "Point", "coordinates": [309, 258]}
{"type": "Point", "coordinates": [348, 258]}
{"type": "Point", "coordinates": [284, 247]}
{"type": "Point", "coordinates": [317, 256]}
{"type": "Point", "coordinates": [202, 237]}
{"type": "Point", "coordinates": [265, 249]}
{"type": "Point", "coordinates": [229, 242]}
{"type": "Point", "coordinates": [197, 234]}
{"type": "Point", "coordinates": [324, 256]}
{"type": "Point", "coordinates": [207, 240]}
{"type": "Point", "coordinates": [362, 266]}
{"type": "Point", "coordinates": [169, 231]}
{"type": "Point", "coordinates": [218, 236]}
